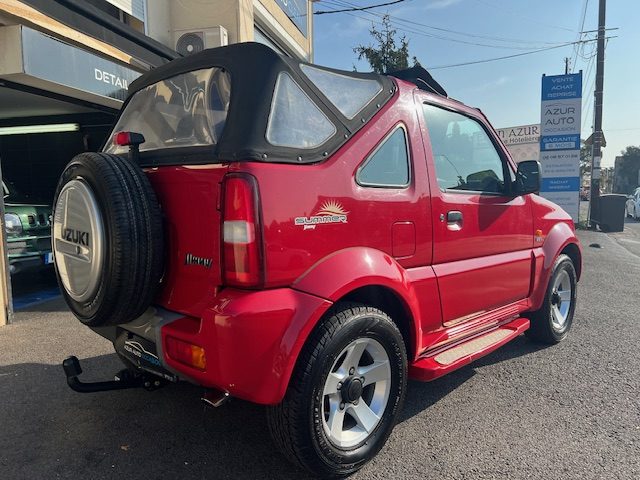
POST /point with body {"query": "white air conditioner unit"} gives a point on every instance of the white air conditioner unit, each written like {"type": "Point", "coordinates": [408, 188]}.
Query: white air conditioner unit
{"type": "Point", "coordinates": [193, 41]}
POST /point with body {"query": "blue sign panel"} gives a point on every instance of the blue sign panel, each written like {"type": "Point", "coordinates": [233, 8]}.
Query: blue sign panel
{"type": "Point", "coordinates": [296, 10]}
{"type": "Point", "coordinates": [556, 87]}
{"type": "Point", "coordinates": [560, 184]}
{"type": "Point", "coordinates": [560, 114]}
{"type": "Point", "coordinates": [560, 142]}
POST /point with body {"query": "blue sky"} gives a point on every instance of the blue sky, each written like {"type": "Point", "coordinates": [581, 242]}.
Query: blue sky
{"type": "Point", "coordinates": [508, 91]}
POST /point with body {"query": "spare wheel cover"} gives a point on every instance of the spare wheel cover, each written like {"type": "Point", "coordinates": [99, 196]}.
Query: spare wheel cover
{"type": "Point", "coordinates": [79, 240]}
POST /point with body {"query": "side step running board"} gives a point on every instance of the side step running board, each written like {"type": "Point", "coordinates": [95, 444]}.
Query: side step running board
{"type": "Point", "coordinates": [444, 361]}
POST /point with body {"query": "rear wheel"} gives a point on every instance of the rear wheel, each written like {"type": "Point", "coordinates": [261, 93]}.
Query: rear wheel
{"type": "Point", "coordinates": [551, 324]}
{"type": "Point", "coordinates": [345, 393]}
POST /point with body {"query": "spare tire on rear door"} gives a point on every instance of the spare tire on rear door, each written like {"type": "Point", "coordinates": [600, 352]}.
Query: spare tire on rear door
{"type": "Point", "coordinates": [107, 239]}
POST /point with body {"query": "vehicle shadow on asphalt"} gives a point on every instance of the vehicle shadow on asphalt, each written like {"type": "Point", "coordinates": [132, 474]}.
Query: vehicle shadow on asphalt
{"type": "Point", "coordinates": [50, 430]}
{"type": "Point", "coordinates": [422, 395]}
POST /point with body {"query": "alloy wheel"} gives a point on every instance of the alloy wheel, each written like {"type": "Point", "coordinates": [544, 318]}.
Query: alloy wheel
{"type": "Point", "coordinates": [561, 298]}
{"type": "Point", "coordinates": [356, 392]}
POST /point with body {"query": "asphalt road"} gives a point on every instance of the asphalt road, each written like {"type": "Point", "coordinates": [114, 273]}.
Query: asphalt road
{"type": "Point", "coordinates": [630, 237]}
{"type": "Point", "coordinates": [571, 411]}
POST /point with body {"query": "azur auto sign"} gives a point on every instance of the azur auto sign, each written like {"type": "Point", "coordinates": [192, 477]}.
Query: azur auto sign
{"type": "Point", "coordinates": [561, 111]}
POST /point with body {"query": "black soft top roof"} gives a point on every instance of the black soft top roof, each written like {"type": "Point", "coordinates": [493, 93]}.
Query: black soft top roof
{"type": "Point", "coordinates": [421, 78]}
{"type": "Point", "coordinates": [254, 69]}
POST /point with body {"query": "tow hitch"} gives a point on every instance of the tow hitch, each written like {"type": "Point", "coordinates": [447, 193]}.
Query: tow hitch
{"type": "Point", "coordinates": [123, 380]}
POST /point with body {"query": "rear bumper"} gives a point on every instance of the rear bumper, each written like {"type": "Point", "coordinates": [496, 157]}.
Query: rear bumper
{"type": "Point", "coordinates": [28, 252]}
{"type": "Point", "coordinates": [251, 340]}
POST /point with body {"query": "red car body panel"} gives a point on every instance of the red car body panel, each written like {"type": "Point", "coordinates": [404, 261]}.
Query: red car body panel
{"type": "Point", "coordinates": [189, 199]}
{"type": "Point", "coordinates": [452, 283]}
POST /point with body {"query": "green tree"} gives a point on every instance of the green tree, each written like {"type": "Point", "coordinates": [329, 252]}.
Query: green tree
{"type": "Point", "coordinates": [386, 54]}
{"type": "Point", "coordinates": [585, 160]}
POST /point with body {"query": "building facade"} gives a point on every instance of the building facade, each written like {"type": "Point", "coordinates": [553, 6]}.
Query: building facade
{"type": "Point", "coordinates": [65, 66]}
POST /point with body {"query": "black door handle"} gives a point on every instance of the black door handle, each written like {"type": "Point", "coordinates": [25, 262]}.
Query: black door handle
{"type": "Point", "coordinates": [454, 216]}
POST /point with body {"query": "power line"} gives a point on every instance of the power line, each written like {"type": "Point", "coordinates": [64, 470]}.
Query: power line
{"type": "Point", "coordinates": [523, 16]}
{"type": "Point", "coordinates": [438, 67]}
{"type": "Point", "coordinates": [588, 81]}
{"type": "Point", "coordinates": [576, 49]}
{"type": "Point", "coordinates": [423, 33]}
{"type": "Point", "coordinates": [442, 29]}
{"type": "Point", "coordinates": [355, 9]}
{"type": "Point", "coordinates": [343, 3]}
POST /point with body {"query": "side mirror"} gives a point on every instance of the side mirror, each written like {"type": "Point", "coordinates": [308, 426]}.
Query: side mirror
{"type": "Point", "coordinates": [527, 177]}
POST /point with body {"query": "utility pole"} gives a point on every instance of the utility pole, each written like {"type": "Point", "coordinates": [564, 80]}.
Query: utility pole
{"type": "Point", "coordinates": [567, 63]}
{"type": "Point", "coordinates": [596, 156]}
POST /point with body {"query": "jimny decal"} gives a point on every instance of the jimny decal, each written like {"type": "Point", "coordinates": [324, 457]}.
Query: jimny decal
{"type": "Point", "coordinates": [191, 259]}
{"type": "Point", "coordinates": [331, 211]}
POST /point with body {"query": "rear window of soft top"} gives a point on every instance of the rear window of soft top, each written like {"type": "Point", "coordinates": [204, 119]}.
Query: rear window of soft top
{"type": "Point", "coordinates": [186, 110]}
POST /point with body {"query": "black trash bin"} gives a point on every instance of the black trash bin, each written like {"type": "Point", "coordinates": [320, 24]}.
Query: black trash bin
{"type": "Point", "coordinates": [611, 212]}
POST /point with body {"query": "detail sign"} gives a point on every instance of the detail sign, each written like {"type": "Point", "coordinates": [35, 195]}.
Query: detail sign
{"type": "Point", "coordinates": [50, 59]}
{"type": "Point", "coordinates": [560, 116]}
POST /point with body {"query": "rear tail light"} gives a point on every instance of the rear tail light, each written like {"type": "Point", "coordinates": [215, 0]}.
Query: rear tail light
{"type": "Point", "coordinates": [241, 232]}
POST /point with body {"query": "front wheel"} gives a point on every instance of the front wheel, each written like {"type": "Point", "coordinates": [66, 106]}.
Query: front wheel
{"type": "Point", "coordinates": [551, 324]}
{"type": "Point", "coordinates": [345, 393]}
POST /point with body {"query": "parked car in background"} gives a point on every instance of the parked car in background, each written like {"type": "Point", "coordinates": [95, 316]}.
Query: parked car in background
{"type": "Point", "coordinates": [28, 227]}
{"type": "Point", "coordinates": [632, 208]}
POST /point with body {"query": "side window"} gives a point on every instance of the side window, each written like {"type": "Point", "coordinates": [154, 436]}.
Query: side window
{"type": "Point", "coordinates": [348, 94]}
{"type": "Point", "coordinates": [388, 165]}
{"type": "Point", "coordinates": [463, 154]}
{"type": "Point", "coordinates": [295, 121]}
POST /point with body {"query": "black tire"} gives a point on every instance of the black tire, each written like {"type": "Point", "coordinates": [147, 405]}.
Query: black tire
{"type": "Point", "coordinates": [542, 327]}
{"type": "Point", "coordinates": [296, 424]}
{"type": "Point", "coordinates": [131, 268]}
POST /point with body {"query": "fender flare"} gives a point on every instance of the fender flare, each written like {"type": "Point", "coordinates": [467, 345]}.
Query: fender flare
{"type": "Point", "coordinates": [346, 270]}
{"type": "Point", "coordinates": [559, 237]}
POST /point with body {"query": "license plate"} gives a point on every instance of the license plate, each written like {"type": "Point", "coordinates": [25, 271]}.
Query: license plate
{"type": "Point", "coordinates": [48, 258]}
